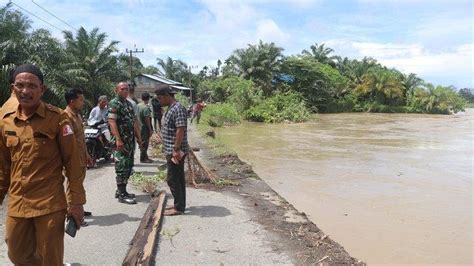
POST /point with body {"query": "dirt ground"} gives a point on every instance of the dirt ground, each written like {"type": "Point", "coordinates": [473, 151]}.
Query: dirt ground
{"type": "Point", "coordinates": [289, 230]}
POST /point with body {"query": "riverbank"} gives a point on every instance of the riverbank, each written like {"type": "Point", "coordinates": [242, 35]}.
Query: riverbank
{"type": "Point", "coordinates": [248, 223]}
{"type": "Point", "coordinates": [391, 188]}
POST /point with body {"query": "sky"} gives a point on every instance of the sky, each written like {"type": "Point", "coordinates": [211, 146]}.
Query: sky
{"type": "Point", "coordinates": [432, 38]}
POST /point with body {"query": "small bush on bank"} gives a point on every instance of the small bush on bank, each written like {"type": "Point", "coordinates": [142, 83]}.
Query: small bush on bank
{"type": "Point", "coordinates": [289, 106]}
{"type": "Point", "coordinates": [221, 114]}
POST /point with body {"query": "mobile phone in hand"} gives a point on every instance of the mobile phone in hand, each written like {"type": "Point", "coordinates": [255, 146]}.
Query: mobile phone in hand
{"type": "Point", "coordinates": [71, 227]}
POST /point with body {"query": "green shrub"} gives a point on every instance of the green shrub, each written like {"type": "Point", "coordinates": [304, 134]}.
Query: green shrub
{"type": "Point", "coordinates": [241, 92]}
{"type": "Point", "coordinates": [221, 114]}
{"type": "Point", "coordinates": [289, 106]}
{"type": "Point", "coordinates": [436, 100]}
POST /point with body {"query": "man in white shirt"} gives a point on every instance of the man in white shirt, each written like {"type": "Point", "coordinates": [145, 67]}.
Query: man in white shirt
{"type": "Point", "coordinates": [99, 113]}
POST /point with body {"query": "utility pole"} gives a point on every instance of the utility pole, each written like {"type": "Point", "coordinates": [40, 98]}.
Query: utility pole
{"type": "Point", "coordinates": [191, 89]}
{"type": "Point", "coordinates": [131, 51]}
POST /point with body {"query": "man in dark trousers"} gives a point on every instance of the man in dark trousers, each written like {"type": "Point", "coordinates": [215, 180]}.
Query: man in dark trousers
{"type": "Point", "coordinates": [37, 147]}
{"type": "Point", "coordinates": [175, 147]}
{"type": "Point", "coordinates": [144, 116]}
{"type": "Point", "coordinates": [157, 113]}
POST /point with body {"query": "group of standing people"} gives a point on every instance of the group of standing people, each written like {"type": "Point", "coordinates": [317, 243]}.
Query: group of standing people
{"type": "Point", "coordinates": [41, 146]}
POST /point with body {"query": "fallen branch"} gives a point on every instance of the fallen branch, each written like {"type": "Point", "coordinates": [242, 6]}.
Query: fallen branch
{"type": "Point", "coordinates": [196, 169]}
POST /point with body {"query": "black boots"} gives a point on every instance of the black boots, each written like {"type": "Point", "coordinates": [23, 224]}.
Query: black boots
{"type": "Point", "coordinates": [123, 196]}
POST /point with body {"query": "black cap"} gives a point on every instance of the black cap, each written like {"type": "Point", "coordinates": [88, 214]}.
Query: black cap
{"type": "Point", "coordinates": [165, 91]}
{"type": "Point", "coordinates": [26, 68]}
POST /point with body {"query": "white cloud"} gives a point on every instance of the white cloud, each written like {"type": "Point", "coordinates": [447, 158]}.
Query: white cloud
{"type": "Point", "coordinates": [447, 64]}
{"type": "Point", "coordinates": [455, 65]}
{"type": "Point", "coordinates": [268, 31]}
{"type": "Point", "coordinates": [387, 50]}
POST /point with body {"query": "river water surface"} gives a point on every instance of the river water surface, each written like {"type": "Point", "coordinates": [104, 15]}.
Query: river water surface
{"type": "Point", "coordinates": [390, 188]}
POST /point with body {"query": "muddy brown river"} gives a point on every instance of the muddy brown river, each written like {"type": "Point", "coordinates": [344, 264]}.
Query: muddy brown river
{"type": "Point", "coordinates": [390, 188]}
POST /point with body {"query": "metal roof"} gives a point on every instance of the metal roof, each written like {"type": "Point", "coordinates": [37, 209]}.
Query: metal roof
{"type": "Point", "coordinates": [181, 88]}
{"type": "Point", "coordinates": [162, 79]}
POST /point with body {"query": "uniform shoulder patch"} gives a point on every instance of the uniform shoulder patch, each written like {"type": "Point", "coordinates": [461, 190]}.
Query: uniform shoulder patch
{"type": "Point", "coordinates": [53, 108]}
{"type": "Point", "coordinates": [67, 130]}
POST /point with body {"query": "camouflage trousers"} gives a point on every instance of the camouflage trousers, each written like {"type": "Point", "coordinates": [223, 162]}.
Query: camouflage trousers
{"type": "Point", "coordinates": [124, 163]}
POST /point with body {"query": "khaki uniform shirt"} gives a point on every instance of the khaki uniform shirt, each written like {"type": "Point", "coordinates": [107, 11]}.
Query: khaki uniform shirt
{"type": "Point", "coordinates": [34, 152]}
{"type": "Point", "coordinates": [78, 128]}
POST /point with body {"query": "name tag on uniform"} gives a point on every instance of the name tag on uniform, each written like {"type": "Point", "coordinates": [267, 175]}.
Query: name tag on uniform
{"type": "Point", "coordinates": [12, 141]}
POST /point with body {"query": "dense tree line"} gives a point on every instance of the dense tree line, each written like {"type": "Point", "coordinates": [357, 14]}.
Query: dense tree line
{"type": "Point", "coordinates": [258, 82]}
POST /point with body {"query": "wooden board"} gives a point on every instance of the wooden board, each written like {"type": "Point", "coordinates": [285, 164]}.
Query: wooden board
{"type": "Point", "coordinates": [142, 246]}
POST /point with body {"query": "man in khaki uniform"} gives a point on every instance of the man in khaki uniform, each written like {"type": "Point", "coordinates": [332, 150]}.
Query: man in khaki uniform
{"type": "Point", "coordinates": [36, 144]}
{"type": "Point", "coordinates": [75, 102]}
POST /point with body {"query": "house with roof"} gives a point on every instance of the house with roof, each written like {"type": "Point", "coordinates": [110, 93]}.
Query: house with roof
{"type": "Point", "coordinates": [149, 83]}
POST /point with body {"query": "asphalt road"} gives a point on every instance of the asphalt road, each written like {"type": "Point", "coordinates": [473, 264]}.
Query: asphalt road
{"type": "Point", "coordinates": [216, 228]}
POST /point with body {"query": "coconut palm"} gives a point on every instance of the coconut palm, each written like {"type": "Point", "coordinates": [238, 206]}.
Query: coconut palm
{"type": "Point", "coordinates": [90, 63]}
{"type": "Point", "coordinates": [173, 69]}
{"type": "Point", "coordinates": [381, 86]}
{"type": "Point", "coordinates": [410, 82]}
{"type": "Point", "coordinates": [321, 54]}
{"type": "Point", "coordinates": [257, 62]}
{"type": "Point", "coordinates": [14, 27]}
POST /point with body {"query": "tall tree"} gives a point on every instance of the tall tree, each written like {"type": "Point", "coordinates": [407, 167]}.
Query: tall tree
{"type": "Point", "coordinates": [173, 69]}
{"type": "Point", "coordinates": [321, 54]}
{"type": "Point", "coordinates": [410, 82]}
{"type": "Point", "coordinates": [381, 86]}
{"type": "Point", "coordinates": [14, 27]}
{"type": "Point", "coordinates": [90, 63]}
{"type": "Point", "coordinates": [259, 63]}
{"type": "Point", "coordinates": [151, 70]}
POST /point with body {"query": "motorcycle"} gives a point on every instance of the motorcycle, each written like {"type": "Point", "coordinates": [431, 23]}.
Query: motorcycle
{"type": "Point", "coordinates": [98, 141]}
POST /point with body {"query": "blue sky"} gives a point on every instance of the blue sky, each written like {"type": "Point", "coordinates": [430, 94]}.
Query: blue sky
{"type": "Point", "coordinates": [433, 38]}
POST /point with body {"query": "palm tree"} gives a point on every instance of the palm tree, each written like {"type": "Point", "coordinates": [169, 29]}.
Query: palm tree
{"type": "Point", "coordinates": [90, 63]}
{"type": "Point", "coordinates": [410, 82]}
{"type": "Point", "coordinates": [381, 86]}
{"type": "Point", "coordinates": [173, 69]}
{"type": "Point", "coordinates": [321, 54]}
{"type": "Point", "coordinates": [257, 62]}
{"type": "Point", "coordinates": [14, 27]}
{"type": "Point", "coordinates": [151, 70]}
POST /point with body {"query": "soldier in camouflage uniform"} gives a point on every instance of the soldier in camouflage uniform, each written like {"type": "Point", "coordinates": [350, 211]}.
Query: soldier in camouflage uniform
{"type": "Point", "coordinates": [125, 129]}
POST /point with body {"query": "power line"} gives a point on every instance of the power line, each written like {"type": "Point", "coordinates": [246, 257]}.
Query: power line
{"type": "Point", "coordinates": [36, 16]}
{"type": "Point", "coordinates": [54, 15]}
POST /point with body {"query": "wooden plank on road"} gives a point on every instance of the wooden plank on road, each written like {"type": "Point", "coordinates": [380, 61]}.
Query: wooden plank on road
{"type": "Point", "coordinates": [143, 244]}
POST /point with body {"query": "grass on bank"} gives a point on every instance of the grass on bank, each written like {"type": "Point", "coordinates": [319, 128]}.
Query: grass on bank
{"type": "Point", "coordinates": [470, 105]}
{"type": "Point", "coordinates": [216, 143]}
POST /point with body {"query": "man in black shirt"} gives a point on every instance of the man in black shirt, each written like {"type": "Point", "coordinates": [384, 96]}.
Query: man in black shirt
{"type": "Point", "coordinates": [157, 113]}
